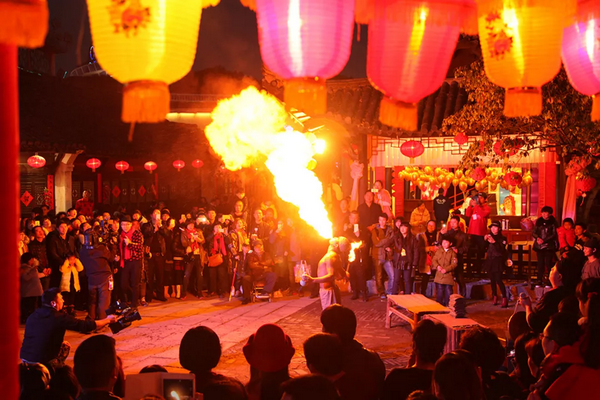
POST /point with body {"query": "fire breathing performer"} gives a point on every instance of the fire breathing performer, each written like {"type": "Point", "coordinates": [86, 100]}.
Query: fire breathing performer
{"type": "Point", "coordinates": [331, 267]}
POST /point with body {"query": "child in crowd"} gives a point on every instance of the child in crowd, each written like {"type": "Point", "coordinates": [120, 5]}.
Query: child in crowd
{"type": "Point", "coordinates": [31, 286]}
{"type": "Point", "coordinates": [566, 236]}
{"type": "Point", "coordinates": [69, 283]}
{"type": "Point", "coordinates": [444, 261]}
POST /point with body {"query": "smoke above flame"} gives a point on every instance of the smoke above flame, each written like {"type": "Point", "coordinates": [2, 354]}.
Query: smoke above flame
{"type": "Point", "coordinates": [249, 128]}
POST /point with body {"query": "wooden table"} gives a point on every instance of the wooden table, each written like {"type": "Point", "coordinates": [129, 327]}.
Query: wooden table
{"type": "Point", "coordinates": [455, 328]}
{"type": "Point", "coordinates": [415, 305]}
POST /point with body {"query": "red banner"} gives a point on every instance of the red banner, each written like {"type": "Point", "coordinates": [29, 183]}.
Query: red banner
{"type": "Point", "coordinates": [49, 195]}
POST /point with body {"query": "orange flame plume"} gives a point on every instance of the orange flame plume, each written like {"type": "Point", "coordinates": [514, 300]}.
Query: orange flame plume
{"type": "Point", "coordinates": [250, 128]}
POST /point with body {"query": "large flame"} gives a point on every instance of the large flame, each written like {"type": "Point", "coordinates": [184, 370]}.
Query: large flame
{"type": "Point", "coordinates": [249, 128]}
{"type": "Point", "coordinates": [353, 247]}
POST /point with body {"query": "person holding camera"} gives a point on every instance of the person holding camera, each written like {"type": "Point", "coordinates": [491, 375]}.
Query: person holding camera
{"type": "Point", "coordinates": [97, 257]}
{"type": "Point", "coordinates": [45, 330]}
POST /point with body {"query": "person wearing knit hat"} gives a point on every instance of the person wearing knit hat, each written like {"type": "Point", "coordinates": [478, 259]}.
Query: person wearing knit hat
{"type": "Point", "coordinates": [269, 352]}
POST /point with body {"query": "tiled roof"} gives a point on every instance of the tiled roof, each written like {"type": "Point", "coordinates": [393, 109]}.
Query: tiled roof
{"type": "Point", "coordinates": [357, 103]}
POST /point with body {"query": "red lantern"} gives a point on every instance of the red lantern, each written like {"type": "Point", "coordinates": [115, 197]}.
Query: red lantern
{"type": "Point", "coordinates": [586, 184]}
{"type": "Point", "coordinates": [410, 48]}
{"type": "Point", "coordinates": [150, 166]}
{"type": "Point", "coordinates": [513, 178]}
{"type": "Point", "coordinates": [122, 166]}
{"type": "Point", "coordinates": [93, 164]}
{"type": "Point", "coordinates": [178, 164]}
{"type": "Point", "coordinates": [36, 161]}
{"type": "Point", "coordinates": [412, 149]}
{"type": "Point", "coordinates": [305, 42]}
{"type": "Point", "coordinates": [461, 139]}
{"type": "Point", "coordinates": [198, 163]}
{"type": "Point", "coordinates": [478, 174]}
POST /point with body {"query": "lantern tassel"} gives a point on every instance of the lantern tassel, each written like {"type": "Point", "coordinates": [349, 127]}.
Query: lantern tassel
{"type": "Point", "coordinates": [595, 108]}
{"type": "Point", "coordinates": [398, 114]}
{"type": "Point", "coordinates": [24, 23]}
{"type": "Point", "coordinates": [523, 102]}
{"type": "Point", "coordinates": [307, 94]}
{"type": "Point", "coordinates": [145, 101]}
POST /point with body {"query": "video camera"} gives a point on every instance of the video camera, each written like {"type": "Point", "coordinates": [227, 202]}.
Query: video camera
{"type": "Point", "coordinates": [125, 316]}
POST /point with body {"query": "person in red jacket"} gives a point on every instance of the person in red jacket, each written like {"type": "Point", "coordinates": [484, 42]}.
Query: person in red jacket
{"type": "Point", "coordinates": [573, 371]}
{"type": "Point", "coordinates": [478, 214]}
{"type": "Point", "coordinates": [566, 236]}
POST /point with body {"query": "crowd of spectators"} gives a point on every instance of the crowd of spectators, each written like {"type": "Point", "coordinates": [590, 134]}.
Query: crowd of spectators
{"type": "Point", "coordinates": [561, 363]}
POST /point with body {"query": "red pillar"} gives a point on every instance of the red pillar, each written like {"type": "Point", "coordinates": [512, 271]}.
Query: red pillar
{"type": "Point", "coordinates": [9, 204]}
{"type": "Point", "coordinates": [547, 185]}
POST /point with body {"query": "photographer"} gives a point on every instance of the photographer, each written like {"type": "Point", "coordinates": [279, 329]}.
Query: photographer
{"type": "Point", "coordinates": [46, 327]}
{"type": "Point", "coordinates": [97, 258]}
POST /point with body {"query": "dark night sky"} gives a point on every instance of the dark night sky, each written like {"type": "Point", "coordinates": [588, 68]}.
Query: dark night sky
{"type": "Point", "coordinates": [228, 37]}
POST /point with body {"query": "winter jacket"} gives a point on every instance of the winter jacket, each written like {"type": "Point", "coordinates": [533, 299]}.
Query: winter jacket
{"type": "Point", "coordinates": [150, 236]}
{"type": "Point", "coordinates": [30, 281]}
{"type": "Point", "coordinates": [418, 220]}
{"type": "Point", "coordinates": [68, 269]}
{"type": "Point", "coordinates": [57, 250]}
{"type": "Point", "coordinates": [461, 240]}
{"type": "Point", "coordinates": [381, 238]}
{"type": "Point", "coordinates": [497, 249]}
{"type": "Point", "coordinates": [97, 262]}
{"type": "Point", "coordinates": [578, 381]}
{"type": "Point", "coordinates": [406, 251]}
{"type": "Point", "coordinates": [448, 261]}
{"type": "Point", "coordinates": [545, 229]}
{"type": "Point", "coordinates": [479, 214]}
{"type": "Point", "coordinates": [566, 238]}
{"type": "Point", "coordinates": [38, 250]}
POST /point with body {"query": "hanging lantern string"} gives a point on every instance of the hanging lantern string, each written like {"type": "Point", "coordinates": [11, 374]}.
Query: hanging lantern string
{"type": "Point", "coordinates": [130, 136]}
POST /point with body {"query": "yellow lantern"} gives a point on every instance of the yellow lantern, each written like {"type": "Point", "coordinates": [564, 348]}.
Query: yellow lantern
{"type": "Point", "coordinates": [425, 178]}
{"type": "Point", "coordinates": [493, 187]}
{"type": "Point", "coordinates": [146, 45]}
{"type": "Point", "coordinates": [427, 170]}
{"type": "Point", "coordinates": [445, 185]}
{"type": "Point", "coordinates": [521, 45]}
{"type": "Point", "coordinates": [478, 186]}
{"type": "Point", "coordinates": [471, 181]}
{"type": "Point", "coordinates": [483, 183]}
{"type": "Point", "coordinates": [459, 174]}
{"type": "Point", "coordinates": [504, 185]}
{"type": "Point", "coordinates": [463, 186]}
{"type": "Point", "coordinates": [414, 177]}
{"type": "Point", "coordinates": [24, 22]}
{"type": "Point", "coordinates": [455, 182]}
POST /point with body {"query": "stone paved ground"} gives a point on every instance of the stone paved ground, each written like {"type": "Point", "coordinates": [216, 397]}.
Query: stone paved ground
{"type": "Point", "coordinates": [155, 339]}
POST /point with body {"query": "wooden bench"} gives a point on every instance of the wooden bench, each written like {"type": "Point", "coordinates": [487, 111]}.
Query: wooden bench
{"type": "Point", "coordinates": [455, 328]}
{"type": "Point", "coordinates": [415, 305]}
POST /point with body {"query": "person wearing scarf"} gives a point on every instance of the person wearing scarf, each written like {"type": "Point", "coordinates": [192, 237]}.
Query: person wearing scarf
{"type": "Point", "coordinates": [218, 276]}
{"type": "Point", "coordinates": [130, 255]}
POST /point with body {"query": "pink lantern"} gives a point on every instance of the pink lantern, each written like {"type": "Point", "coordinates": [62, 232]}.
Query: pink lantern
{"type": "Point", "coordinates": [36, 161]}
{"type": "Point", "coordinates": [198, 163]}
{"type": "Point", "coordinates": [478, 174]}
{"type": "Point", "coordinates": [178, 164]}
{"type": "Point", "coordinates": [150, 166]}
{"type": "Point", "coordinates": [580, 52]}
{"type": "Point", "coordinates": [93, 164]}
{"type": "Point", "coordinates": [410, 47]}
{"type": "Point", "coordinates": [461, 138]}
{"type": "Point", "coordinates": [305, 42]}
{"type": "Point", "coordinates": [122, 166]}
{"type": "Point", "coordinates": [412, 149]}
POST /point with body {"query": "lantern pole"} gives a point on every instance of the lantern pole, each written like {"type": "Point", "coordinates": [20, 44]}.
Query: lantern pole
{"type": "Point", "coordinates": [9, 204]}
